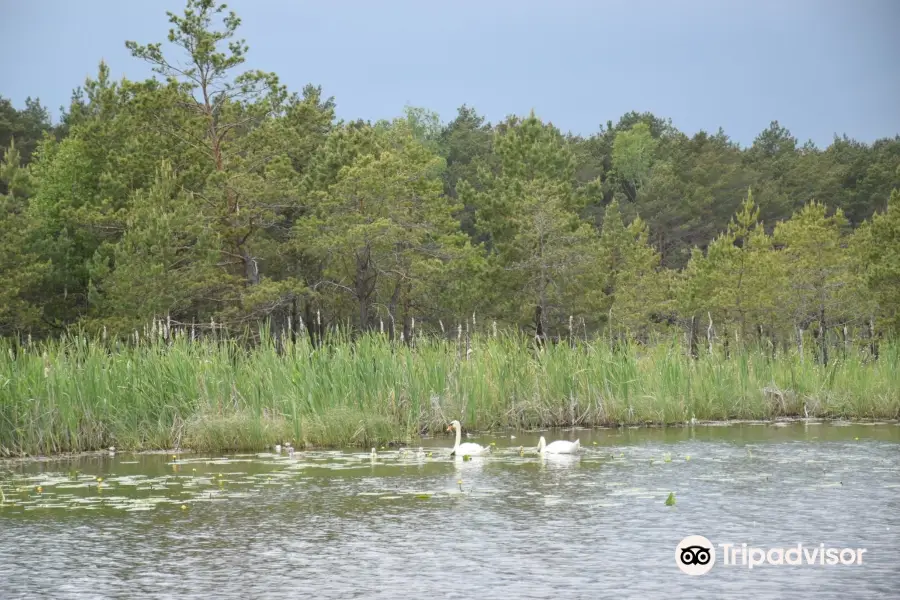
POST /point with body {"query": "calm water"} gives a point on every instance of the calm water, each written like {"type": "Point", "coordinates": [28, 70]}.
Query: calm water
{"type": "Point", "coordinates": [338, 525]}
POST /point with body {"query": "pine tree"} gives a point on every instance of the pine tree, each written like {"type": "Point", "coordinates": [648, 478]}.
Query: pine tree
{"type": "Point", "coordinates": [230, 119]}
{"type": "Point", "coordinates": [883, 276]}
{"type": "Point", "coordinates": [542, 257]}
{"type": "Point", "coordinates": [21, 268]}
{"type": "Point", "coordinates": [816, 265]}
{"type": "Point", "coordinates": [734, 284]}
{"type": "Point", "coordinates": [382, 230]}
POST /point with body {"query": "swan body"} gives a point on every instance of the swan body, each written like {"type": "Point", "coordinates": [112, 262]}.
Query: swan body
{"type": "Point", "coordinates": [558, 447]}
{"type": "Point", "coordinates": [469, 448]}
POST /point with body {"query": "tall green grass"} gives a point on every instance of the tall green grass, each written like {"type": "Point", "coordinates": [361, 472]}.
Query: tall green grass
{"type": "Point", "coordinates": [78, 394]}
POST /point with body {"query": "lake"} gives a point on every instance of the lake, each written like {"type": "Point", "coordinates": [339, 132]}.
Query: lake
{"type": "Point", "coordinates": [340, 524]}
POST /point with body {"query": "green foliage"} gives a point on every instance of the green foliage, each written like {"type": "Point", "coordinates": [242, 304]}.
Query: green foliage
{"type": "Point", "coordinates": [883, 276]}
{"type": "Point", "coordinates": [78, 394]}
{"type": "Point", "coordinates": [381, 230]}
{"type": "Point", "coordinates": [632, 156]}
{"type": "Point", "coordinates": [541, 253]}
{"type": "Point", "coordinates": [737, 281]}
{"type": "Point", "coordinates": [636, 289]}
{"type": "Point", "coordinates": [814, 255]}
{"type": "Point", "coordinates": [21, 266]}
{"type": "Point", "coordinates": [163, 263]}
{"type": "Point", "coordinates": [25, 127]}
{"type": "Point", "coordinates": [213, 193]}
{"type": "Point", "coordinates": [425, 126]}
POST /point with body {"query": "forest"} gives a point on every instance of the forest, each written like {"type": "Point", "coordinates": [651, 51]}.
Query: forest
{"type": "Point", "coordinates": [207, 259]}
{"type": "Point", "coordinates": [212, 198]}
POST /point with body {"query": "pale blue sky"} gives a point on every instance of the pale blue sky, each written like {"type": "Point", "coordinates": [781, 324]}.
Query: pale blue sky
{"type": "Point", "coordinates": [817, 66]}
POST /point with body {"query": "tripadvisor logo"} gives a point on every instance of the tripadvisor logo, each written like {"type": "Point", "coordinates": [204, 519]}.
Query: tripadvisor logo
{"type": "Point", "coordinates": [696, 555]}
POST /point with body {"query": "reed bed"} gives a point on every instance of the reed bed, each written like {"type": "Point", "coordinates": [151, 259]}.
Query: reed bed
{"type": "Point", "coordinates": [79, 393]}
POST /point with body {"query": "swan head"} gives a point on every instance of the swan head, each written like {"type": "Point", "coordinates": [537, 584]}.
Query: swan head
{"type": "Point", "coordinates": [454, 426]}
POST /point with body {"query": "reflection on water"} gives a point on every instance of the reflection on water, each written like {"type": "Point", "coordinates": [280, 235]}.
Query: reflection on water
{"type": "Point", "coordinates": [344, 525]}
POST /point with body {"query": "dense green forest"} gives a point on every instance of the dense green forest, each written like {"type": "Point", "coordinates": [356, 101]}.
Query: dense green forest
{"type": "Point", "coordinates": [214, 197]}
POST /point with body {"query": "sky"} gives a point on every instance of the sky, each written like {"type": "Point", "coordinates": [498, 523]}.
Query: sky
{"type": "Point", "coordinates": [819, 67]}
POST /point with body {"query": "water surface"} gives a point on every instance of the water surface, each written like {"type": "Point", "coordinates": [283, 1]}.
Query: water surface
{"type": "Point", "coordinates": [408, 525]}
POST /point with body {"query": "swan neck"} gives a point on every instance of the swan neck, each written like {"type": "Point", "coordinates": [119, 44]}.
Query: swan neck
{"type": "Point", "coordinates": [458, 437]}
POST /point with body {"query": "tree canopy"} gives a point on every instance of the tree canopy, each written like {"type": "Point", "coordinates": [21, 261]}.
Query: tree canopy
{"type": "Point", "coordinates": [213, 194]}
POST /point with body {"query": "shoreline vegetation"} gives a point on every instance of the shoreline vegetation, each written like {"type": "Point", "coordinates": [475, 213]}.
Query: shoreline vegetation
{"type": "Point", "coordinates": [777, 421]}
{"type": "Point", "coordinates": [79, 394]}
{"type": "Point", "coordinates": [308, 275]}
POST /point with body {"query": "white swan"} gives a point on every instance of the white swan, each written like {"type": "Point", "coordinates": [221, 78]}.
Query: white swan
{"type": "Point", "coordinates": [467, 449]}
{"type": "Point", "coordinates": [558, 447]}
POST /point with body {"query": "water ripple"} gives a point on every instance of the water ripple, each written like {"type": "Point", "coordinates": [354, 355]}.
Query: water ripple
{"type": "Point", "coordinates": [337, 525]}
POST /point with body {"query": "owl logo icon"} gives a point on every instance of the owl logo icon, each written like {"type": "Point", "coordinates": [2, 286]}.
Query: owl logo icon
{"type": "Point", "coordinates": [695, 555]}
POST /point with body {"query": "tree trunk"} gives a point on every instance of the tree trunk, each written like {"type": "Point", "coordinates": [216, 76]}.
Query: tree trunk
{"type": "Point", "coordinates": [407, 332]}
{"type": "Point", "coordinates": [539, 325]}
{"type": "Point", "coordinates": [816, 347]}
{"type": "Point", "coordinates": [392, 310]}
{"type": "Point", "coordinates": [251, 268]}
{"type": "Point", "coordinates": [693, 338]}
{"type": "Point", "coordinates": [873, 343]}
{"type": "Point", "coordinates": [311, 325]}
{"type": "Point", "coordinates": [823, 331]}
{"type": "Point", "coordinates": [363, 290]}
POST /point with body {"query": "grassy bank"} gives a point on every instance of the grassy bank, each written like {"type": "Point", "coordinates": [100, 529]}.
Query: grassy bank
{"type": "Point", "coordinates": [76, 394]}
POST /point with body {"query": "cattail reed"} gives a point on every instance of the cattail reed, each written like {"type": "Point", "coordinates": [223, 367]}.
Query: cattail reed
{"type": "Point", "coordinates": [202, 395]}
